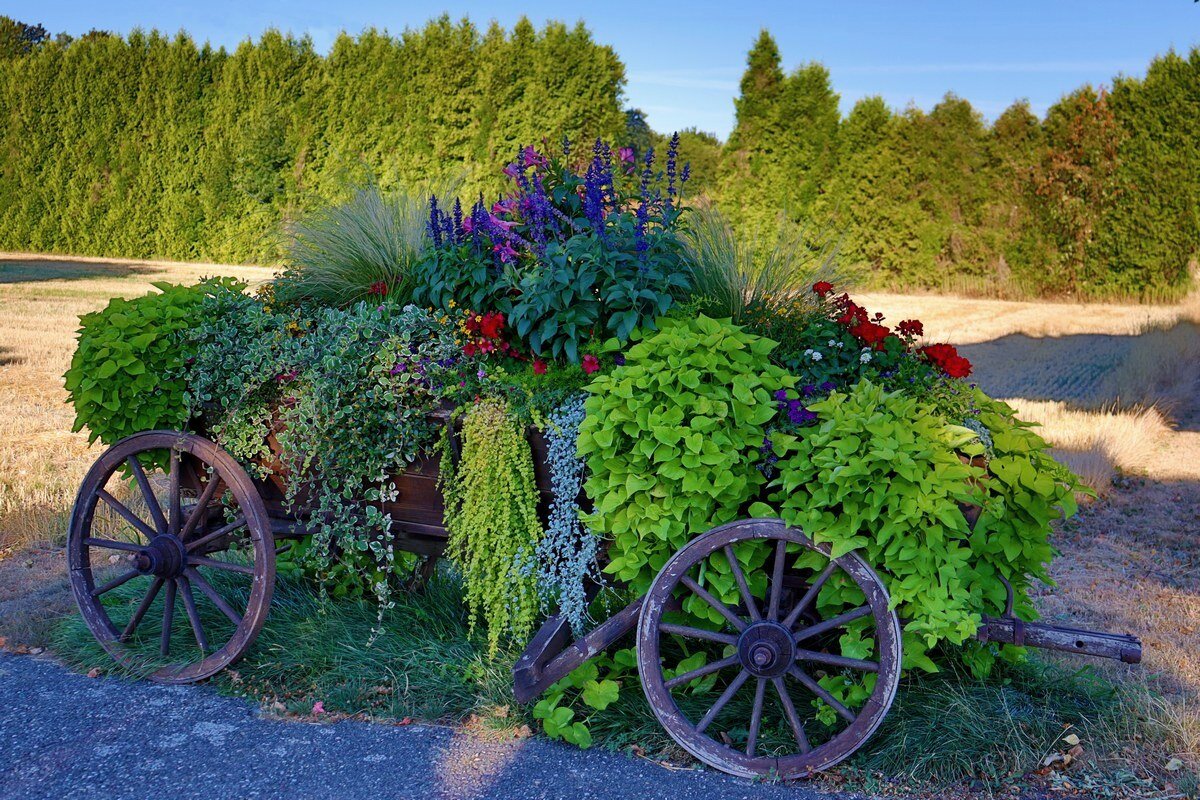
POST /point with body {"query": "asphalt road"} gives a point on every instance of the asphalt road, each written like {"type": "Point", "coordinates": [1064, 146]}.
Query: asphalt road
{"type": "Point", "coordinates": [63, 735]}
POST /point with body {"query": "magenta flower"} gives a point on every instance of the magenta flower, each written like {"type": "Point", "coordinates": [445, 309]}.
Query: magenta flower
{"type": "Point", "coordinates": [625, 154]}
{"type": "Point", "coordinates": [502, 223]}
{"type": "Point", "coordinates": [468, 224]}
{"type": "Point", "coordinates": [506, 206]}
{"type": "Point", "coordinates": [512, 170]}
{"type": "Point", "coordinates": [533, 158]}
{"type": "Point", "coordinates": [504, 250]}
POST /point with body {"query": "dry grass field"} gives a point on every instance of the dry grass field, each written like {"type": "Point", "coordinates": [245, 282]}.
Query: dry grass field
{"type": "Point", "coordinates": [1117, 389]}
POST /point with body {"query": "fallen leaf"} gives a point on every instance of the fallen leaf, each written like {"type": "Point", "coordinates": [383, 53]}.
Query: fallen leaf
{"type": "Point", "coordinates": [1174, 765]}
{"type": "Point", "coordinates": [94, 672]}
{"type": "Point", "coordinates": [523, 732]}
{"type": "Point", "coordinates": [1076, 751]}
{"type": "Point", "coordinates": [406, 721]}
{"type": "Point", "coordinates": [1071, 739]}
{"type": "Point", "coordinates": [3, 642]}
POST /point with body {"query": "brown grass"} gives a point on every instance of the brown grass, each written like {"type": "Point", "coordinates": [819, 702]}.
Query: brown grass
{"type": "Point", "coordinates": [41, 460]}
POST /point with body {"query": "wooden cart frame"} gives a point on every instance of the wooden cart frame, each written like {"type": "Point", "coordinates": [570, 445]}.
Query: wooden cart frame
{"type": "Point", "coordinates": [770, 643]}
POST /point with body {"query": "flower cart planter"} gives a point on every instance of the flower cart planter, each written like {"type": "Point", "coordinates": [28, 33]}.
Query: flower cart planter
{"type": "Point", "coordinates": [183, 541]}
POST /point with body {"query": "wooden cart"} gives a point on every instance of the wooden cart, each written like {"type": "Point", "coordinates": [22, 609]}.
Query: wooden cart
{"type": "Point", "coordinates": [773, 647]}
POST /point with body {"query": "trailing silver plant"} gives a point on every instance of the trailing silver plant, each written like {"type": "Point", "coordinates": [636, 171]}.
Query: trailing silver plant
{"type": "Point", "coordinates": [566, 556]}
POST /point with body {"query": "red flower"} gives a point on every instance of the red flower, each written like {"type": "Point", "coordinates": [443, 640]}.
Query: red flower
{"type": "Point", "coordinates": [470, 349]}
{"type": "Point", "coordinates": [871, 334]}
{"type": "Point", "coordinates": [590, 364]}
{"type": "Point", "coordinates": [491, 324]}
{"type": "Point", "coordinates": [911, 327]}
{"type": "Point", "coordinates": [822, 288]}
{"type": "Point", "coordinates": [379, 288]}
{"type": "Point", "coordinates": [539, 367]}
{"type": "Point", "coordinates": [946, 358]}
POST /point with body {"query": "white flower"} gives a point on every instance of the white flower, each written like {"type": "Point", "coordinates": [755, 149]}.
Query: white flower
{"type": "Point", "coordinates": [816, 356]}
{"type": "Point", "coordinates": [865, 357]}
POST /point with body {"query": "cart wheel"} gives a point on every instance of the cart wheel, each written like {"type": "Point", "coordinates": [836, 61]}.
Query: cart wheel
{"type": "Point", "coordinates": [781, 644]}
{"type": "Point", "coordinates": [200, 534]}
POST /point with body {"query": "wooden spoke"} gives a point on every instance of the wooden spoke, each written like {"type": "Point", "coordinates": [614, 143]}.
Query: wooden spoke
{"type": "Point", "coordinates": [821, 692]}
{"type": "Point", "coordinates": [722, 701]}
{"type": "Point", "coordinates": [197, 561]}
{"type": "Point", "coordinates": [211, 593]}
{"type": "Point", "coordinates": [198, 510]}
{"type": "Point", "coordinates": [217, 534]}
{"type": "Point", "coordinates": [777, 580]}
{"type": "Point", "coordinates": [109, 544]}
{"type": "Point", "coordinates": [174, 521]}
{"type": "Point", "coordinates": [700, 672]}
{"type": "Point", "coordinates": [830, 624]}
{"type": "Point", "coordinates": [120, 580]}
{"type": "Point", "coordinates": [837, 661]}
{"type": "Point", "coordinates": [168, 616]}
{"type": "Point", "coordinates": [789, 711]}
{"type": "Point", "coordinates": [721, 608]}
{"type": "Point", "coordinates": [189, 604]}
{"type": "Point", "coordinates": [156, 513]}
{"type": "Point", "coordinates": [756, 717]}
{"type": "Point", "coordinates": [698, 633]}
{"type": "Point", "coordinates": [141, 610]}
{"type": "Point", "coordinates": [743, 587]}
{"type": "Point", "coordinates": [809, 596]}
{"type": "Point", "coordinates": [126, 514]}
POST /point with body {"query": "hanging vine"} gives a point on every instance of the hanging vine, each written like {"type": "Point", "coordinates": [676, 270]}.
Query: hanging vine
{"type": "Point", "coordinates": [491, 515]}
{"type": "Point", "coordinates": [565, 559]}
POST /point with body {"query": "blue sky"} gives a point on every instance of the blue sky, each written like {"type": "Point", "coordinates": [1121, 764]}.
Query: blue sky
{"type": "Point", "coordinates": [684, 59]}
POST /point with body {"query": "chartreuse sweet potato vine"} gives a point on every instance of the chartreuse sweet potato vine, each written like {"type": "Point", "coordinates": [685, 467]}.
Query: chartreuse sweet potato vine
{"type": "Point", "coordinates": [881, 474]}
{"type": "Point", "coordinates": [491, 515]}
{"type": "Point", "coordinates": [672, 440]}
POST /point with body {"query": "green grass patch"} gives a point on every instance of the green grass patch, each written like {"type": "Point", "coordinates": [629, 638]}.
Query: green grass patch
{"type": "Point", "coordinates": [419, 661]}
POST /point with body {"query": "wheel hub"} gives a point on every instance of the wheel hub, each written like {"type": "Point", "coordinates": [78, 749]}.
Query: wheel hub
{"type": "Point", "coordinates": [164, 557]}
{"type": "Point", "coordinates": [766, 649]}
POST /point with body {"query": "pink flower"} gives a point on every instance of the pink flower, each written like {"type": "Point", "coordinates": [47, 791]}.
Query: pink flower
{"type": "Point", "coordinates": [504, 250]}
{"type": "Point", "coordinates": [533, 158]}
{"type": "Point", "coordinates": [318, 707]}
{"type": "Point", "coordinates": [590, 364]}
{"type": "Point", "coordinates": [502, 223]}
{"type": "Point", "coordinates": [539, 367]}
{"type": "Point", "coordinates": [506, 206]}
{"type": "Point", "coordinates": [625, 154]}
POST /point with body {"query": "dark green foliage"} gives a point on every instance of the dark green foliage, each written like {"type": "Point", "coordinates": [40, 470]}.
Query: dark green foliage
{"type": "Point", "coordinates": [1099, 200]}
{"type": "Point", "coordinates": [148, 145]}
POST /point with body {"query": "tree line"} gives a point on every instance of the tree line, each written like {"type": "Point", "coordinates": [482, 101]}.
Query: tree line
{"type": "Point", "coordinates": [148, 145]}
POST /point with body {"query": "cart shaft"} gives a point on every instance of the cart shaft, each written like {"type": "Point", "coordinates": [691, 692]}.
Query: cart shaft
{"type": "Point", "coordinates": [1009, 630]}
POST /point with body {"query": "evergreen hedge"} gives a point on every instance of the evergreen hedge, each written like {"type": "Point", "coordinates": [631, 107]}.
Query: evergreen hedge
{"type": "Point", "coordinates": [152, 146]}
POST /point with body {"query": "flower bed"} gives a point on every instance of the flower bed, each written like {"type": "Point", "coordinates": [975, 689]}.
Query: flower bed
{"type": "Point", "coordinates": [679, 382]}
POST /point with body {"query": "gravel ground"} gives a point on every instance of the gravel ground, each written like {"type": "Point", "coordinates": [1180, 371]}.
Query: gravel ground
{"type": "Point", "coordinates": [63, 735]}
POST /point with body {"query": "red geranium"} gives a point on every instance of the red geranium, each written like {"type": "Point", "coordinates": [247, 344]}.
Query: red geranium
{"type": "Point", "coordinates": [872, 334]}
{"type": "Point", "coordinates": [946, 358]}
{"type": "Point", "coordinates": [590, 363]}
{"type": "Point", "coordinates": [911, 327]}
{"type": "Point", "coordinates": [379, 288]}
{"type": "Point", "coordinates": [539, 367]}
{"type": "Point", "coordinates": [822, 288]}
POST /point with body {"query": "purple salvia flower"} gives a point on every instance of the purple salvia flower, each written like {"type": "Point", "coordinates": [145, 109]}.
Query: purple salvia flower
{"type": "Point", "coordinates": [434, 226]}
{"type": "Point", "coordinates": [459, 233]}
{"type": "Point", "coordinates": [672, 159]}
